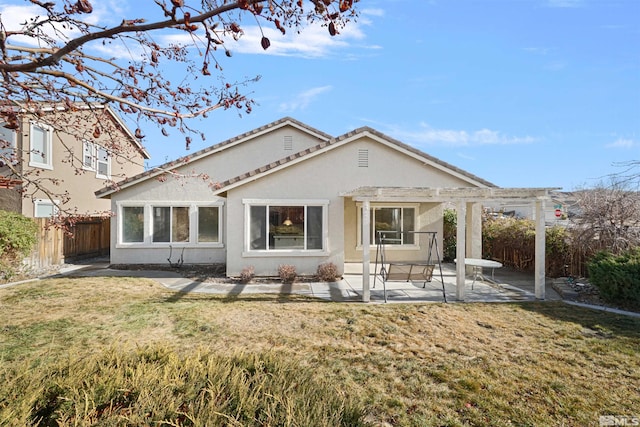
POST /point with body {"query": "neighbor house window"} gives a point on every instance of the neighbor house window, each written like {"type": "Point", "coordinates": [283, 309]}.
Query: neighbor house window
{"type": "Point", "coordinates": [96, 158]}
{"type": "Point", "coordinates": [281, 226]}
{"type": "Point", "coordinates": [396, 222]}
{"type": "Point", "coordinates": [170, 224]}
{"type": "Point", "coordinates": [133, 224]}
{"type": "Point", "coordinates": [45, 208]}
{"type": "Point", "coordinates": [7, 146]}
{"type": "Point", "coordinates": [40, 152]}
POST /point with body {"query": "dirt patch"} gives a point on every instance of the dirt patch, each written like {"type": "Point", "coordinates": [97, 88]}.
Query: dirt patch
{"type": "Point", "coordinates": [209, 273]}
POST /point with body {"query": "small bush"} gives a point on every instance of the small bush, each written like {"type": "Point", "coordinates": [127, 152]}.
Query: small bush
{"type": "Point", "coordinates": [449, 235]}
{"type": "Point", "coordinates": [287, 273]}
{"type": "Point", "coordinates": [18, 235]}
{"type": "Point", "coordinates": [617, 276]}
{"type": "Point", "coordinates": [327, 272]}
{"type": "Point", "coordinates": [247, 274]}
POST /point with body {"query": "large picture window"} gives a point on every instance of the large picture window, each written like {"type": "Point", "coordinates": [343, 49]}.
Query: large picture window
{"type": "Point", "coordinates": [395, 221]}
{"type": "Point", "coordinates": [156, 224]}
{"type": "Point", "coordinates": [286, 227]}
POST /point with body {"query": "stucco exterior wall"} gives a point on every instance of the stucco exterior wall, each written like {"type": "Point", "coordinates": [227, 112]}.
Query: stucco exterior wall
{"type": "Point", "coordinates": [249, 154]}
{"type": "Point", "coordinates": [324, 177]}
{"type": "Point", "coordinates": [319, 178]}
{"type": "Point", "coordinates": [79, 183]}
{"type": "Point", "coordinates": [173, 192]}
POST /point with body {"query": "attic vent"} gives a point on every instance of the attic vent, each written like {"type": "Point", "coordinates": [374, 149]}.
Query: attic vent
{"type": "Point", "coordinates": [363, 158]}
{"type": "Point", "coordinates": [288, 143]}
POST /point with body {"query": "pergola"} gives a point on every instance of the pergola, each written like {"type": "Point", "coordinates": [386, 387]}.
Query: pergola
{"type": "Point", "coordinates": [468, 204]}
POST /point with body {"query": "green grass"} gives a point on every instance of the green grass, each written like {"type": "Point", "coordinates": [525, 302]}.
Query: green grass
{"type": "Point", "coordinates": [124, 351]}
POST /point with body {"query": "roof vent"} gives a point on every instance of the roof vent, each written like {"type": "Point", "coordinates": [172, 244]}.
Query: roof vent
{"type": "Point", "coordinates": [288, 143]}
{"type": "Point", "coordinates": [363, 158]}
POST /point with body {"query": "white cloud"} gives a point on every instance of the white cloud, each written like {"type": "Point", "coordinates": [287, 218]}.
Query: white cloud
{"type": "Point", "coordinates": [372, 12]}
{"type": "Point", "coordinates": [565, 3]}
{"type": "Point", "coordinates": [623, 143]}
{"type": "Point", "coordinates": [303, 99]}
{"type": "Point", "coordinates": [427, 135]}
{"type": "Point", "coordinates": [14, 16]}
{"type": "Point", "coordinates": [311, 42]}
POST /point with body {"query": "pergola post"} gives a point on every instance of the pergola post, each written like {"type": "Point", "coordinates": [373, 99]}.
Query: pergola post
{"type": "Point", "coordinates": [474, 230]}
{"type": "Point", "coordinates": [366, 253]}
{"type": "Point", "coordinates": [540, 251]}
{"type": "Point", "coordinates": [461, 232]}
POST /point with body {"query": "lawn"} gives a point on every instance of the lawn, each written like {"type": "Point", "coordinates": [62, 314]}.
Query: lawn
{"type": "Point", "coordinates": [69, 345]}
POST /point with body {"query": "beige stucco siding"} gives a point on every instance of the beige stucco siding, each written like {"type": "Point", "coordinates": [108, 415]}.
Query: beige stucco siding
{"type": "Point", "coordinates": [67, 170]}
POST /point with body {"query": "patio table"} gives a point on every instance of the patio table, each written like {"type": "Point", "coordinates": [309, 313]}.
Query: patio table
{"type": "Point", "coordinates": [478, 264]}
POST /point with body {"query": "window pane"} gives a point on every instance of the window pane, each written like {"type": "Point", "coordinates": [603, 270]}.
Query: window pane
{"type": "Point", "coordinates": [388, 219]}
{"type": "Point", "coordinates": [7, 145]}
{"type": "Point", "coordinates": [180, 229]}
{"type": "Point", "coordinates": [286, 227]}
{"type": "Point", "coordinates": [257, 227]}
{"type": "Point", "coordinates": [44, 209]}
{"type": "Point", "coordinates": [133, 224]}
{"type": "Point", "coordinates": [408, 224]}
{"type": "Point", "coordinates": [87, 155]}
{"type": "Point", "coordinates": [103, 162]}
{"type": "Point", "coordinates": [314, 227]}
{"type": "Point", "coordinates": [161, 224]}
{"type": "Point", "coordinates": [208, 224]}
{"type": "Point", "coordinates": [38, 145]}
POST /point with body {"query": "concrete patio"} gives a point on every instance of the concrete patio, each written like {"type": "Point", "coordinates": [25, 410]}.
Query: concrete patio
{"type": "Point", "coordinates": [507, 286]}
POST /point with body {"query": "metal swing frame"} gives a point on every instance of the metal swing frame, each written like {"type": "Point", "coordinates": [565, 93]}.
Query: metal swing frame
{"type": "Point", "coordinates": [406, 270]}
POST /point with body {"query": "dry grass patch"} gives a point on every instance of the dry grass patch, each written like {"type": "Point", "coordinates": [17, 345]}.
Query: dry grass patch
{"type": "Point", "coordinates": [409, 364]}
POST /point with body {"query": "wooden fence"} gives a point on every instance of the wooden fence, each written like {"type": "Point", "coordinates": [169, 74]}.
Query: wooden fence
{"type": "Point", "coordinates": [85, 239]}
{"type": "Point", "coordinates": [523, 259]}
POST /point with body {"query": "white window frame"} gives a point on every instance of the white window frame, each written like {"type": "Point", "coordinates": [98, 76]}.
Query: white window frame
{"type": "Point", "coordinates": [93, 150]}
{"type": "Point", "coordinates": [98, 162]}
{"type": "Point", "coordinates": [88, 148]}
{"type": "Point", "coordinates": [148, 224]}
{"type": "Point", "coordinates": [48, 149]}
{"type": "Point", "coordinates": [323, 203]}
{"type": "Point", "coordinates": [10, 151]}
{"type": "Point", "coordinates": [416, 215]}
{"type": "Point", "coordinates": [45, 202]}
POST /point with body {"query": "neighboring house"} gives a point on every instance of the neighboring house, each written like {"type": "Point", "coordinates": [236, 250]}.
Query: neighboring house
{"type": "Point", "coordinates": [72, 153]}
{"type": "Point", "coordinates": [558, 210]}
{"type": "Point", "coordinates": [284, 193]}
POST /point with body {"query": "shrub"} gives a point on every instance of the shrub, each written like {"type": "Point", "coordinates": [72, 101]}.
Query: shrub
{"type": "Point", "coordinates": [18, 236]}
{"type": "Point", "coordinates": [327, 272]}
{"type": "Point", "coordinates": [247, 274]}
{"type": "Point", "coordinates": [287, 273]}
{"type": "Point", "coordinates": [617, 276]}
{"type": "Point", "coordinates": [449, 235]}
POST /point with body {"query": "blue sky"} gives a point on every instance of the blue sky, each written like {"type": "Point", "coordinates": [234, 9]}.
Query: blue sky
{"type": "Point", "coordinates": [523, 93]}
